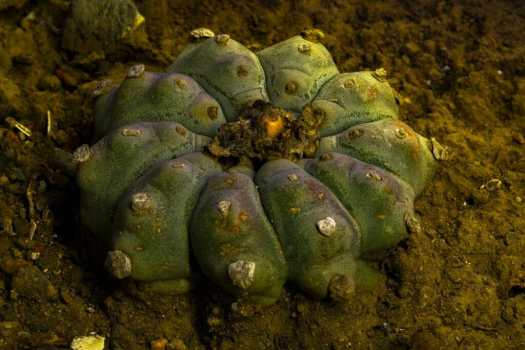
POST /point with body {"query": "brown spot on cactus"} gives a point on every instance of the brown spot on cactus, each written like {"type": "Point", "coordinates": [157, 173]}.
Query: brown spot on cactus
{"type": "Point", "coordinates": [243, 216]}
{"type": "Point", "coordinates": [371, 93]}
{"type": "Point", "coordinates": [290, 88]}
{"type": "Point", "coordinates": [180, 130]}
{"type": "Point", "coordinates": [242, 71]}
{"type": "Point", "coordinates": [350, 83]}
{"type": "Point", "coordinates": [212, 112]}
{"type": "Point", "coordinates": [230, 180]}
{"type": "Point", "coordinates": [354, 133]}
{"type": "Point", "coordinates": [326, 156]}
{"type": "Point", "coordinates": [181, 84]}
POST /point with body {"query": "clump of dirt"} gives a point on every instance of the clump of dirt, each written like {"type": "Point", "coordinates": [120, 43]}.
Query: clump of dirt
{"type": "Point", "coordinates": [459, 283]}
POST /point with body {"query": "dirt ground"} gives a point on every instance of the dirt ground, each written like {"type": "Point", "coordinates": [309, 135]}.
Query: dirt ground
{"type": "Point", "coordinates": [459, 284]}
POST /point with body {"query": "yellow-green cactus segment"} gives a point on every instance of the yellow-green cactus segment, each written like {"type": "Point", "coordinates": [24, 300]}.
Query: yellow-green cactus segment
{"type": "Point", "coordinates": [233, 241]}
{"type": "Point", "coordinates": [226, 70]}
{"type": "Point", "coordinates": [318, 235]}
{"type": "Point", "coordinates": [153, 232]}
{"type": "Point", "coordinates": [349, 99]}
{"type": "Point", "coordinates": [295, 71]}
{"type": "Point", "coordinates": [107, 169]}
{"type": "Point", "coordinates": [381, 203]}
{"type": "Point", "coordinates": [152, 97]}
{"type": "Point", "coordinates": [389, 144]}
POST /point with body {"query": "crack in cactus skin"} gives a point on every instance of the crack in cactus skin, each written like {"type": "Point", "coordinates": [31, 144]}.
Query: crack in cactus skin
{"type": "Point", "coordinates": [304, 176]}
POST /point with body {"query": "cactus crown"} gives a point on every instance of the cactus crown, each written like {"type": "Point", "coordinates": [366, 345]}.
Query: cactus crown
{"type": "Point", "coordinates": [264, 132]}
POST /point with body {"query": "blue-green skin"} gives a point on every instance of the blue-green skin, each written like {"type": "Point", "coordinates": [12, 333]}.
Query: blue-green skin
{"type": "Point", "coordinates": [162, 97]}
{"type": "Point", "coordinates": [294, 201]}
{"type": "Point", "coordinates": [377, 199]}
{"type": "Point", "coordinates": [354, 98]}
{"type": "Point", "coordinates": [227, 70]}
{"type": "Point", "coordinates": [118, 160]}
{"type": "Point", "coordinates": [156, 238]}
{"type": "Point", "coordinates": [389, 144]}
{"type": "Point", "coordinates": [306, 64]}
{"type": "Point", "coordinates": [244, 233]}
{"type": "Point", "coordinates": [365, 176]}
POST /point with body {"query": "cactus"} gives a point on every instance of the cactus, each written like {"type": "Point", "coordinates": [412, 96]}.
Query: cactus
{"type": "Point", "coordinates": [252, 169]}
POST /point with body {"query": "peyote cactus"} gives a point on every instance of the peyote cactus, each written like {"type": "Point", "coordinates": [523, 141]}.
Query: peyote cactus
{"type": "Point", "coordinates": [252, 169]}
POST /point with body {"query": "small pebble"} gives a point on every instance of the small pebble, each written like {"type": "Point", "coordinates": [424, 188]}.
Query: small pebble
{"type": "Point", "coordinates": [492, 185]}
{"type": "Point", "coordinates": [31, 283]}
{"type": "Point", "coordinates": [202, 33]}
{"type": "Point", "coordinates": [4, 180]}
{"type": "Point", "coordinates": [50, 83]}
{"type": "Point", "coordinates": [159, 344]}
{"type": "Point", "coordinates": [90, 342]}
{"type": "Point", "coordinates": [177, 344]}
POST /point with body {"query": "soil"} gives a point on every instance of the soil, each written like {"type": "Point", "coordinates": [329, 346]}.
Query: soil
{"type": "Point", "coordinates": [459, 284]}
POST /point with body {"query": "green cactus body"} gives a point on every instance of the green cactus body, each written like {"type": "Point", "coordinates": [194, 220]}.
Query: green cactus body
{"type": "Point", "coordinates": [233, 240]}
{"type": "Point", "coordinates": [227, 70]}
{"type": "Point", "coordinates": [350, 99]}
{"type": "Point", "coordinates": [377, 199]}
{"type": "Point", "coordinates": [152, 97]}
{"type": "Point", "coordinates": [252, 170]}
{"type": "Point", "coordinates": [150, 229]}
{"type": "Point", "coordinates": [117, 160]}
{"type": "Point", "coordinates": [319, 237]}
{"type": "Point", "coordinates": [389, 144]}
{"type": "Point", "coordinates": [295, 69]}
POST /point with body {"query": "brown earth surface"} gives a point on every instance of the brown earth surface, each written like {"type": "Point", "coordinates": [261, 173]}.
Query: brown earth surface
{"type": "Point", "coordinates": [459, 284]}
